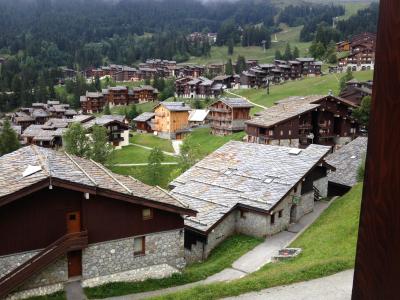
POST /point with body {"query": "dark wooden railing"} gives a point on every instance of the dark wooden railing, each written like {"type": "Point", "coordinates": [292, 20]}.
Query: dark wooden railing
{"type": "Point", "coordinates": [68, 242]}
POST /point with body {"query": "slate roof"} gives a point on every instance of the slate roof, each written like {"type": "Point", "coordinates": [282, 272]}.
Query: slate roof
{"type": "Point", "coordinates": [175, 106]}
{"type": "Point", "coordinates": [236, 102]}
{"type": "Point", "coordinates": [286, 109]}
{"type": "Point", "coordinates": [58, 165]}
{"type": "Point", "coordinates": [255, 175]}
{"type": "Point", "coordinates": [104, 120]}
{"type": "Point", "coordinates": [144, 117]}
{"type": "Point", "coordinates": [346, 160]}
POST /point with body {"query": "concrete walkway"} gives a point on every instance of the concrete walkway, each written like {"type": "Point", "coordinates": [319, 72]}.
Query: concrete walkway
{"type": "Point", "coordinates": [74, 291]}
{"type": "Point", "coordinates": [249, 262]}
{"type": "Point", "coordinates": [176, 144]}
{"type": "Point", "coordinates": [255, 104]}
{"type": "Point", "coordinates": [334, 287]}
{"type": "Point", "coordinates": [150, 148]}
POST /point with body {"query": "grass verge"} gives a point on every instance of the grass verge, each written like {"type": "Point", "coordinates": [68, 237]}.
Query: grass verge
{"type": "Point", "coordinates": [152, 141]}
{"type": "Point", "coordinates": [220, 258]}
{"type": "Point", "coordinates": [209, 143]}
{"type": "Point", "coordinates": [328, 247]}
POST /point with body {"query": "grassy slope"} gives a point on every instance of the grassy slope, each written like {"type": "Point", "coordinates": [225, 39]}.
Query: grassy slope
{"type": "Point", "coordinates": [308, 86]}
{"type": "Point", "coordinates": [328, 247]}
{"type": "Point", "coordinates": [139, 173]}
{"type": "Point", "coordinates": [134, 155]}
{"type": "Point", "coordinates": [221, 257]}
{"type": "Point", "coordinates": [152, 141]}
{"type": "Point", "coordinates": [288, 34]}
{"type": "Point", "coordinates": [209, 143]}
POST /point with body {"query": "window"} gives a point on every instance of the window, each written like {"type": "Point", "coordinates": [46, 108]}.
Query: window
{"type": "Point", "coordinates": [272, 219]}
{"type": "Point", "coordinates": [271, 132]}
{"type": "Point", "coordinates": [242, 214]}
{"type": "Point", "coordinates": [280, 213]}
{"type": "Point", "coordinates": [281, 132]}
{"type": "Point", "coordinates": [147, 214]}
{"type": "Point", "coordinates": [290, 132]}
{"type": "Point", "coordinates": [139, 245]}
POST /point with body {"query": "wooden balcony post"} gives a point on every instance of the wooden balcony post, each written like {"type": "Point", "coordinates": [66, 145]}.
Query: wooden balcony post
{"type": "Point", "coordinates": [377, 268]}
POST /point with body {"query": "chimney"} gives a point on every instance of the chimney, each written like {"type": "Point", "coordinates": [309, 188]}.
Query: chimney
{"type": "Point", "coordinates": [330, 93]}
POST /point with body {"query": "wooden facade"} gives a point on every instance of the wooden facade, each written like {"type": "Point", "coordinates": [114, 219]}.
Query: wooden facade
{"type": "Point", "coordinates": [172, 119]}
{"type": "Point", "coordinates": [324, 124]}
{"type": "Point", "coordinates": [228, 116]}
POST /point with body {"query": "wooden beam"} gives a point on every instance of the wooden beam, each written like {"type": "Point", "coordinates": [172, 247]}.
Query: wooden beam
{"type": "Point", "coordinates": [377, 268]}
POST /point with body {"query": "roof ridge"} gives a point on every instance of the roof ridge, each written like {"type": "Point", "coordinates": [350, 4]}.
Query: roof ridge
{"type": "Point", "coordinates": [41, 162]}
{"type": "Point", "coordinates": [112, 176]}
{"type": "Point", "coordinates": [81, 169]}
{"type": "Point", "coordinates": [175, 198]}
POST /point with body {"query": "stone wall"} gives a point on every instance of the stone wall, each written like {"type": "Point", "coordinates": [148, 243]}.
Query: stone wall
{"type": "Point", "coordinates": [322, 185]}
{"type": "Point", "coordinates": [117, 256]}
{"type": "Point", "coordinates": [55, 273]}
{"type": "Point", "coordinates": [306, 204]}
{"type": "Point", "coordinates": [195, 254]}
{"type": "Point", "coordinates": [251, 223]}
{"type": "Point", "coordinates": [220, 232]}
{"type": "Point", "coordinates": [281, 223]}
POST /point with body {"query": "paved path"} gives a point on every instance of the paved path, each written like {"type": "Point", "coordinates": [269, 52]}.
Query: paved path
{"type": "Point", "coordinates": [176, 144]}
{"type": "Point", "coordinates": [150, 148]}
{"type": "Point", "coordinates": [249, 262]}
{"type": "Point", "coordinates": [255, 104]}
{"type": "Point", "coordinates": [334, 287]}
{"type": "Point", "coordinates": [144, 164]}
{"type": "Point", "coordinates": [74, 290]}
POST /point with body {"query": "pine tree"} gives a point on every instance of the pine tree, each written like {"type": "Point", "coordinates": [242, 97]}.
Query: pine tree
{"type": "Point", "coordinates": [362, 113]}
{"type": "Point", "coordinates": [230, 47]}
{"type": "Point", "coordinates": [240, 64]}
{"type": "Point", "coordinates": [107, 110]}
{"type": "Point", "coordinates": [296, 53]}
{"type": "Point", "coordinates": [288, 53]}
{"type": "Point", "coordinates": [8, 139]}
{"type": "Point", "coordinates": [278, 55]}
{"type": "Point", "coordinates": [75, 141]}
{"type": "Point", "coordinates": [229, 67]}
{"type": "Point", "coordinates": [97, 83]}
{"type": "Point", "coordinates": [154, 166]}
{"type": "Point", "coordinates": [100, 148]}
{"type": "Point", "coordinates": [349, 76]}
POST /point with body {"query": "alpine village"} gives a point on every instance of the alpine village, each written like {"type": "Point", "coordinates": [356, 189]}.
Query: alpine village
{"type": "Point", "coordinates": [181, 149]}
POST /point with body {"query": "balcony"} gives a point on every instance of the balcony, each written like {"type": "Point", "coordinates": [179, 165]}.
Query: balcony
{"type": "Point", "coordinates": [223, 110]}
{"type": "Point", "coordinates": [220, 118]}
{"type": "Point", "coordinates": [305, 126]}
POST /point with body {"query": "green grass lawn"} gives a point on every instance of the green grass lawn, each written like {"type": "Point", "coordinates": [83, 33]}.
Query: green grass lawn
{"type": "Point", "coordinates": [134, 155]}
{"type": "Point", "coordinates": [287, 35]}
{"type": "Point", "coordinates": [168, 173]}
{"type": "Point", "coordinates": [220, 258]}
{"type": "Point", "coordinates": [150, 140]}
{"type": "Point", "coordinates": [308, 86]}
{"type": "Point", "coordinates": [209, 143]}
{"type": "Point", "coordinates": [328, 247]}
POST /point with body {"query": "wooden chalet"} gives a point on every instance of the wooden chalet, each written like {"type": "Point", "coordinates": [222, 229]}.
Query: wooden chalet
{"type": "Point", "coordinates": [92, 102]}
{"type": "Point", "coordinates": [252, 189]}
{"type": "Point", "coordinates": [143, 93]}
{"type": "Point", "coordinates": [200, 87]}
{"type": "Point", "coordinates": [301, 121]}
{"type": "Point", "coordinates": [228, 115]}
{"type": "Point", "coordinates": [126, 74]}
{"type": "Point", "coordinates": [355, 91]}
{"type": "Point", "coordinates": [145, 122]}
{"type": "Point", "coordinates": [117, 129]}
{"type": "Point", "coordinates": [63, 216]}
{"type": "Point", "coordinates": [361, 60]}
{"type": "Point", "coordinates": [343, 46]}
{"type": "Point", "coordinates": [172, 119]}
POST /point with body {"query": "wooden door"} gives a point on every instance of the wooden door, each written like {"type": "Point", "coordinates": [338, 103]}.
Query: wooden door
{"type": "Point", "coordinates": [74, 263]}
{"type": "Point", "coordinates": [73, 222]}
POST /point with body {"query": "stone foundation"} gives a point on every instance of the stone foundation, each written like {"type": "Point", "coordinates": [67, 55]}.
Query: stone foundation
{"type": "Point", "coordinates": [105, 262]}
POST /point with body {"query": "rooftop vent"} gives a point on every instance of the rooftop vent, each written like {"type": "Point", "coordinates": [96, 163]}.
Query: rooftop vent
{"type": "Point", "coordinates": [268, 180]}
{"type": "Point", "coordinates": [353, 157]}
{"type": "Point", "coordinates": [31, 170]}
{"type": "Point", "coordinates": [295, 151]}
